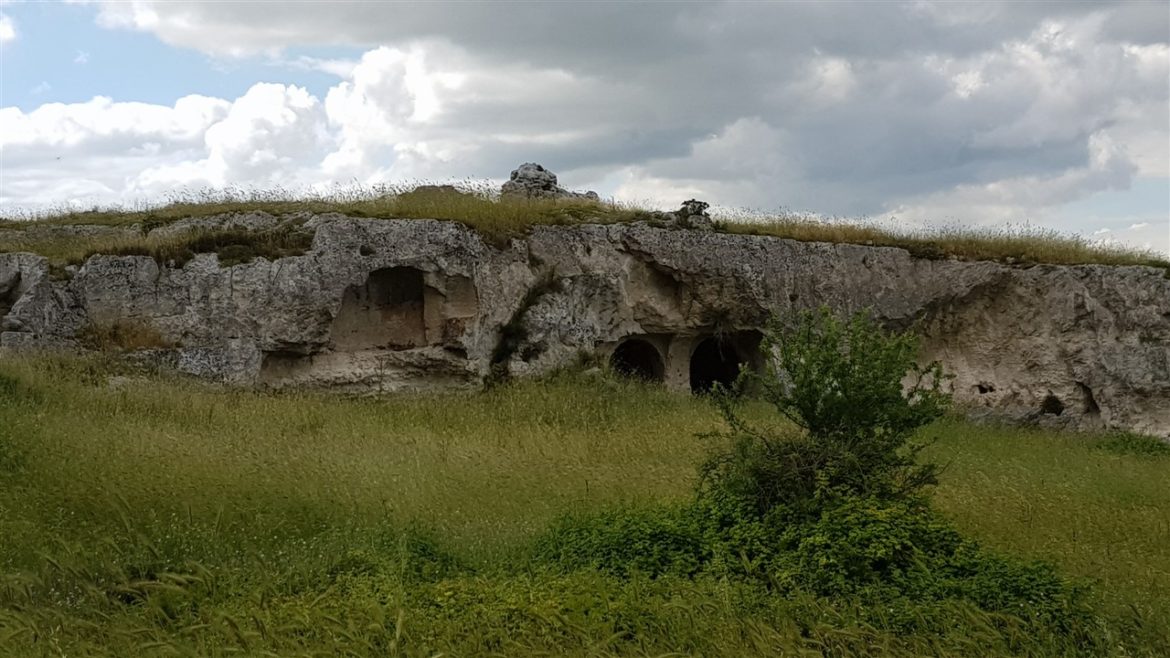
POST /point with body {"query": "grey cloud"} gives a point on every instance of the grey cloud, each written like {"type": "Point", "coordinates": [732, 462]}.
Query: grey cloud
{"type": "Point", "coordinates": [1139, 21]}
{"type": "Point", "coordinates": [645, 86]}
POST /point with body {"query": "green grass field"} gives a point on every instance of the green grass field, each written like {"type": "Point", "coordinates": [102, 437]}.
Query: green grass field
{"type": "Point", "coordinates": [163, 517]}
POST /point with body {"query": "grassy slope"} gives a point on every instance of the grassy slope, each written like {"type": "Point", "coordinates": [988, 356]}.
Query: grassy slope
{"type": "Point", "coordinates": [499, 220]}
{"type": "Point", "coordinates": [276, 507]}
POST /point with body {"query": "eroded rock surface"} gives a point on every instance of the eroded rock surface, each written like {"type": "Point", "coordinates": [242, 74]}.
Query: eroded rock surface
{"type": "Point", "coordinates": [533, 181]}
{"type": "Point", "coordinates": [384, 305]}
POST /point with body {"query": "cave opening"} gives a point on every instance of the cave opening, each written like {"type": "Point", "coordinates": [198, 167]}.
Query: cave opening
{"type": "Point", "coordinates": [1051, 405]}
{"type": "Point", "coordinates": [386, 311]}
{"type": "Point", "coordinates": [8, 296]}
{"type": "Point", "coordinates": [1089, 404]}
{"type": "Point", "coordinates": [715, 360]}
{"type": "Point", "coordinates": [638, 359]}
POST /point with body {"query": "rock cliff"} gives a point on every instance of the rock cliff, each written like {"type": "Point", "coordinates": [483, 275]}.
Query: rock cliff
{"type": "Point", "coordinates": [383, 305]}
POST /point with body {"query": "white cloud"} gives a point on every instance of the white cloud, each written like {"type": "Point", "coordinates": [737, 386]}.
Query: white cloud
{"type": "Point", "coordinates": [342, 68]}
{"type": "Point", "coordinates": [1138, 226]}
{"type": "Point", "coordinates": [102, 151]}
{"type": "Point", "coordinates": [272, 136]}
{"type": "Point", "coordinates": [826, 80]}
{"type": "Point", "coordinates": [81, 57]}
{"type": "Point", "coordinates": [7, 29]}
{"type": "Point", "coordinates": [103, 121]}
{"type": "Point", "coordinates": [41, 88]}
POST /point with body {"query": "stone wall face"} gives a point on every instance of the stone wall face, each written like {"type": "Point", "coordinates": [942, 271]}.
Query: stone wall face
{"type": "Point", "coordinates": [384, 305]}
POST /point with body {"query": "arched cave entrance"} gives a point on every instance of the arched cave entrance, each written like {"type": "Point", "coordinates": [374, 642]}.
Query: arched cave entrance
{"type": "Point", "coordinates": [9, 295]}
{"type": "Point", "coordinates": [638, 359]}
{"type": "Point", "coordinates": [384, 312]}
{"type": "Point", "coordinates": [715, 360]}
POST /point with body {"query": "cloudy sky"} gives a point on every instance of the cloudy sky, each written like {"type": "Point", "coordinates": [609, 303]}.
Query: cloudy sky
{"type": "Point", "coordinates": [1051, 114]}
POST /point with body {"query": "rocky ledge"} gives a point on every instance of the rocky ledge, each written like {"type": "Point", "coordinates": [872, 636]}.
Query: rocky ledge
{"type": "Point", "coordinates": [384, 305]}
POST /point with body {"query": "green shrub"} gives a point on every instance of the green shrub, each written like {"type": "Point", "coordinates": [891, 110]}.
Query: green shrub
{"type": "Point", "coordinates": [652, 541]}
{"type": "Point", "coordinates": [841, 383]}
{"type": "Point", "coordinates": [866, 543]}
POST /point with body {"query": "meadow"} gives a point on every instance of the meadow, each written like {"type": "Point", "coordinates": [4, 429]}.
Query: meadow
{"type": "Point", "coordinates": [150, 515]}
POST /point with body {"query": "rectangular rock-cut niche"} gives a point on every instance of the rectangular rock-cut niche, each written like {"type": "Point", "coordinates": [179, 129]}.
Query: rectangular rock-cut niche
{"type": "Point", "coordinates": [401, 308]}
{"type": "Point", "coordinates": [387, 311]}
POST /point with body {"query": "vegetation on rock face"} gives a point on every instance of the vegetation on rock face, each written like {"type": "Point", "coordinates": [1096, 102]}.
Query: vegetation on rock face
{"type": "Point", "coordinates": [513, 336]}
{"type": "Point", "coordinates": [477, 205]}
{"type": "Point", "coordinates": [122, 335]}
{"type": "Point", "coordinates": [1017, 245]}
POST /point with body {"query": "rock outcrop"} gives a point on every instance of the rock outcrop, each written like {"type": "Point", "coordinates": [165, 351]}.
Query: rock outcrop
{"type": "Point", "coordinates": [532, 181]}
{"type": "Point", "coordinates": [383, 305]}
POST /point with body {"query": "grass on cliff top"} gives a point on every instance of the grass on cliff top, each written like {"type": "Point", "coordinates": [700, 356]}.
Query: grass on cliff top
{"type": "Point", "coordinates": [163, 517]}
{"type": "Point", "coordinates": [498, 219]}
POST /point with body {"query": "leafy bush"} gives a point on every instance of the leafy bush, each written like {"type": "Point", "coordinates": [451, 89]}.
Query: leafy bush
{"type": "Point", "coordinates": [651, 541]}
{"type": "Point", "coordinates": [842, 383]}
{"type": "Point", "coordinates": [864, 543]}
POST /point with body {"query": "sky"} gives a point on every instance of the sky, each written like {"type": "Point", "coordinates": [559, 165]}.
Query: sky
{"type": "Point", "coordinates": [914, 114]}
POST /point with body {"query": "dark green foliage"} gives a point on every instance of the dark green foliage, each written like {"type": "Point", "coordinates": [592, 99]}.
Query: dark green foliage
{"type": "Point", "coordinates": [1141, 445]}
{"type": "Point", "coordinates": [841, 382]}
{"type": "Point", "coordinates": [867, 543]}
{"type": "Point", "coordinates": [652, 541]}
{"type": "Point", "coordinates": [900, 560]}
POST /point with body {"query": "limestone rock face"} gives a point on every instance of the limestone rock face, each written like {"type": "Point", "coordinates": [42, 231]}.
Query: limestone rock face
{"type": "Point", "coordinates": [533, 181]}
{"type": "Point", "coordinates": [385, 305]}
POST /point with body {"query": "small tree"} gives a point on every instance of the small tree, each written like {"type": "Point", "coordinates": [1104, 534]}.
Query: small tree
{"type": "Point", "coordinates": [856, 393]}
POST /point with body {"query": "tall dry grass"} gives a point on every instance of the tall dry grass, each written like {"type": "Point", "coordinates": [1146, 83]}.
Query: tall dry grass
{"type": "Point", "coordinates": [478, 205]}
{"type": "Point", "coordinates": [161, 516]}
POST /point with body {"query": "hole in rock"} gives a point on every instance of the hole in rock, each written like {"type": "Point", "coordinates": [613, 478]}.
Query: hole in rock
{"type": "Point", "coordinates": [8, 296]}
{"type": "Point", "coordinates": [984, 388]}
{"type": "Point", "coordinates": [714, 361]}
{"type": "Point", "coordinates": [1090, 406]}
{"type": "Point", "coordinates": [638, 359]}
{"type": "Point", "coordinates": [385, 311]}
{"type": "Point", "coordinates": [1052, 405]}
